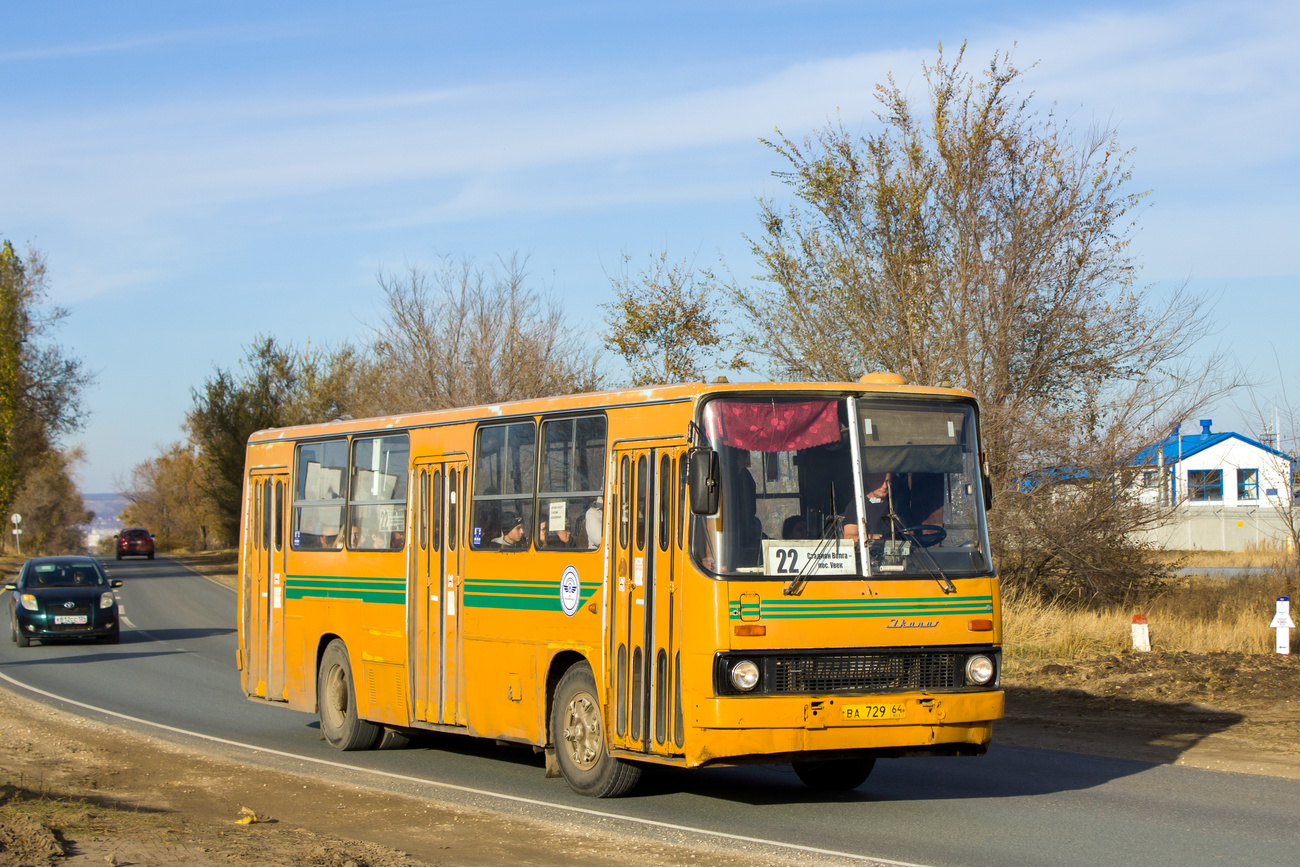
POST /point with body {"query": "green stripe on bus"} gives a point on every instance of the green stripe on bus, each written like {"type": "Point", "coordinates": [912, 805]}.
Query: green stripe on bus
{"type": "Point", "coordinates": [780, 609]}
{"type": "Point", "coordinates": [387, 596]}
{"type": "Point", "coordinates": [518, 603]}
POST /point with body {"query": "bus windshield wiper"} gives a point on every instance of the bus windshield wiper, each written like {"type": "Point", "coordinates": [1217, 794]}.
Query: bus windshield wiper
{"type": "Point", "coordinates": [932, 565]}
{"type": "Point", "coordinates": [796, 584]}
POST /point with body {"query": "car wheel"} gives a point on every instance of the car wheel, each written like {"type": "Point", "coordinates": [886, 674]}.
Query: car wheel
{"type": "Point", "coordinates": [150, 555]}
{"type": "Point", "coordinates": [113, 637]}
{"type": "Point", "coordinates": [834, 776]}
{"type": "Point", "coordinates": [19, 638]}
{"type": "Point", "coordinates": [578, 734]}
{"type": "Point", "coordinates": [337, 702]}
{"type": "Point", "coordinates": [119, 555]}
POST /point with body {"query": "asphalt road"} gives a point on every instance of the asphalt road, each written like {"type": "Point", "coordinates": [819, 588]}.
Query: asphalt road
{"type": "Point", "coordinates": [175, 667]}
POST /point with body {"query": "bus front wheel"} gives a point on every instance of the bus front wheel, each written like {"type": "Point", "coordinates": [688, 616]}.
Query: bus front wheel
{"type": "Point", "coordinates": [579, 738]}
{"type": "Point", "coordinates": [834, 776]}
{"type": "Point", "coordinates": [337, 699]}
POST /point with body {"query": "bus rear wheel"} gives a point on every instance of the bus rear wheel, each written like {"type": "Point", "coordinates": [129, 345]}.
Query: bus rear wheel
{"type": "Point", "coordinates": [834, 776]}
{"type": "Point", "coordinates": [337, 700]}
{"type": "Point", "coordinates": [578, 734]}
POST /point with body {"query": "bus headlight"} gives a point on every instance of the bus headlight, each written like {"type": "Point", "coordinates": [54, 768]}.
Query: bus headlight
{"type": "Point", "coordinates": [744, 675]}
{"type": "Point", "coordinates": [979, 670]}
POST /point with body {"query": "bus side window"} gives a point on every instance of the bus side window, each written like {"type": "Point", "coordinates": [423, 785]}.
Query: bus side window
{"type": "Point", "coordinates": [505, 479]}
{"type": "Point", "coordinates": [318, 497]}
{"type": "Point", "coordinates": [570, 482]}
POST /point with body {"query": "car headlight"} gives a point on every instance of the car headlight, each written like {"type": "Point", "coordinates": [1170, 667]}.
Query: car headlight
{"type": "Point", "coordinates": [744, 675]}
{"type": "Point", "coordinates": [29, 601]}
{"type": "Point", "coordinates": [979, 670]}
{"type": "Point", "coordinates": [106, 600]}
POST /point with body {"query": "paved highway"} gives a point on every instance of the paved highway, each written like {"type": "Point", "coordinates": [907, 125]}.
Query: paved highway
{"type": "Point", "coordinates": [175, 667]}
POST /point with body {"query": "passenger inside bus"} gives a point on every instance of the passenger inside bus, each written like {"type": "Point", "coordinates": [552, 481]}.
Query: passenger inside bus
{"type": "Point", "coordinates": [513, 534]}
{"type": "Point", "coordinates": [561, 538]}
{"type": "Point", "coordinates": [794, 527]}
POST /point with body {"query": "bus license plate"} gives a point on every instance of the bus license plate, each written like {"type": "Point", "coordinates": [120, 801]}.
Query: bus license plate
{"type": "Point", "coordinates": [70, 619]}
{"type": "Point", "coordinates": [874, 711]}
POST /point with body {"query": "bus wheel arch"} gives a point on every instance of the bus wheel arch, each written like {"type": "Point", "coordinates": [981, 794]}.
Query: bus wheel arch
{"type": "Point", "coordinates": [336, 702]}
{"type": "Point", "coordinates": [578, 735]}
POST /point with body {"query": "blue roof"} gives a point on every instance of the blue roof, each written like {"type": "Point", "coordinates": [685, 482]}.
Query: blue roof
{"type": "Point", "coordinates": [1176, 447]}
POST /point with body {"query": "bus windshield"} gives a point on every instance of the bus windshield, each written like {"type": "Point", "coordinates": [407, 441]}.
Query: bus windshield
{"type": "Point", "coordinates": [831, 487]}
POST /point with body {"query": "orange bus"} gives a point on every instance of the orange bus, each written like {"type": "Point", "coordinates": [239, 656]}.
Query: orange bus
{"type": "Point", "coordinates": [690, 575]}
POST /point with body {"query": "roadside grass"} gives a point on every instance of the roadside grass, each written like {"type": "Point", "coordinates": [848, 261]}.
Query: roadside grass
{"type": "Point", "coordinates": [1269, 556]}
{"type": "Point", "coordinates": [1196, 615]}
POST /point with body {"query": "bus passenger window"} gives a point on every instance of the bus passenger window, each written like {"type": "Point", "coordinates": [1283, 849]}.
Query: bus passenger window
{"type": "Point", "coordinates": [571, 478]}
{"type": "Point", "coordinates": [318, 498]}
{"type": "Point", "coordinates": [504, 481]}
{"type": "Point", "coordinates": [377, 501]}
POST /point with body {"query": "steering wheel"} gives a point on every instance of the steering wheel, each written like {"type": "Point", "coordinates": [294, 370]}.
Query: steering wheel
{"type": "Point", "coordinates": [927, 535]}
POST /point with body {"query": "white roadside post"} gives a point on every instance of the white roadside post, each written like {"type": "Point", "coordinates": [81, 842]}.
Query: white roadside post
{"type": "Point", "coordinates": [1282, 623]}
{"type": "Point", "coordinates": [17, 519]}
{"type": "Point", "coordinates": [1141, 633]}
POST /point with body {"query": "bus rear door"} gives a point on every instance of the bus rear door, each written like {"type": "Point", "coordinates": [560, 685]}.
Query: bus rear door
{"type": "Point", "coordinates": [263, 590]}
{"type": "Point", "coordinates": [434, 595]}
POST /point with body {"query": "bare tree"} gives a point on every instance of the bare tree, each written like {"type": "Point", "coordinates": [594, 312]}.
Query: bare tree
{"type": "Point", "coordinates": [1277, 425]}
{"type": "Point", "coordinates": [988, 246]}
{"type": "Point", "coordinates": [460, 336]}
{"type": "Point", "coordinates": [665, 323]}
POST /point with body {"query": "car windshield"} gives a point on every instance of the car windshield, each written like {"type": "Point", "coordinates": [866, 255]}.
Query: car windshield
{"type": "Point", "coordinates": [797, 498]}
{"type": "Point", "coordinates": [64, 575]}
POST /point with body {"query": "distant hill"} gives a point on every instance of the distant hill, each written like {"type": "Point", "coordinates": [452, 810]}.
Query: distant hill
{"type": "Point", "coordinates": [107, 508]}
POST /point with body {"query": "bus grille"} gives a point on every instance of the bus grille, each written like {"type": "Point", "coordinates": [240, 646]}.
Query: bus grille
{"type": "Point", "coordinates": [865, 672]}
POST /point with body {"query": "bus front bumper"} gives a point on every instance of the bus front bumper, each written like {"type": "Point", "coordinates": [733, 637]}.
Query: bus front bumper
{"type": "Point", "coordinates": [747, 729]}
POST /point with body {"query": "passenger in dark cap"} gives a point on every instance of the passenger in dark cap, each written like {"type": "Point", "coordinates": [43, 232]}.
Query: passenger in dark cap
{"type": "Point", "coordinates": [513, 534]}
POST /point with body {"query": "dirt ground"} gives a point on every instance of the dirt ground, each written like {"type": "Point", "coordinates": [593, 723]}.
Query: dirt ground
{"type": "Point", "coordinates": [79, 792]}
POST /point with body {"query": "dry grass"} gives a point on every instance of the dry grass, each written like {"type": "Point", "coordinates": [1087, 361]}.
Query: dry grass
{"type": "Point", "coordinates": [1270, 556]}
{"type": "Point", "coordinates": [1200, 615]}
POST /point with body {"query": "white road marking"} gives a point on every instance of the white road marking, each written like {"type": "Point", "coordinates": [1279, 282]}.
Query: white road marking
{"type": "Point", "coordinates": [465, 789]}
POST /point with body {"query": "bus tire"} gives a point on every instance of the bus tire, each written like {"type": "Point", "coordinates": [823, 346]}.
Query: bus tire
{"type": "Point", "coordinates": [337, 702]}
{"type": "Point", "coordinates": [834, 776]}
{"type": "Point", "coordinates": [394, 739]}
{"type": "Point", "coordinates": [578, 734]}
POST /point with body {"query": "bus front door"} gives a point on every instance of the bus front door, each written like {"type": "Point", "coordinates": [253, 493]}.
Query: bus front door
{"type": "Point", "coordinates": [435, 612]}
{"type": "Point", "coordinates": [643, 643]}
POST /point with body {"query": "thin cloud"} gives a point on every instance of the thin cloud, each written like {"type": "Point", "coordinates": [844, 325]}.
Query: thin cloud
{"type": "Point", "coordinates": [215, 36]}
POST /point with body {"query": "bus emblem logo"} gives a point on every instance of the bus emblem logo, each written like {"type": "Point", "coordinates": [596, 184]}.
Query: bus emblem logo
{"type": "Point", "coordinates": [570, 591]}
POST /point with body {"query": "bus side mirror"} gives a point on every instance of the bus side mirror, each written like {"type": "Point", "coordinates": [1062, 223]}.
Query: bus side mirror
{"type": "Point", "coordinates": [702, 478]}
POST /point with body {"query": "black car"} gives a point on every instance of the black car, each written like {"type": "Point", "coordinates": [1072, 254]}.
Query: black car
{"type": "Point", "coordinates": [62, 597]}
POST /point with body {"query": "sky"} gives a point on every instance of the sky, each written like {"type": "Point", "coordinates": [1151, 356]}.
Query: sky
{"type": "Point", "coordinates": [197, 175]}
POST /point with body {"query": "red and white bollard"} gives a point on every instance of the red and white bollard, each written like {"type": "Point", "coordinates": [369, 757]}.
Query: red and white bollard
{"type": "Point", "coordinates": [1141, 634]}
{"type": "Point", "coordinates": [1283, 624]}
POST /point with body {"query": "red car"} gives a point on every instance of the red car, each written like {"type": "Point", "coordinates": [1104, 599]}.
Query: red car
{"type": "Point", "coordinates": [134, 542]}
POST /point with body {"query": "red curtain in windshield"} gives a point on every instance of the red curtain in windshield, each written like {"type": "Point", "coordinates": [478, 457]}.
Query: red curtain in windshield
{"type": "Point", "coordinates": [775, 426]}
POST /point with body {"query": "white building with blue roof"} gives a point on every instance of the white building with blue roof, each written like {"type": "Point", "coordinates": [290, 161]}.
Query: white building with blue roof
{"type": "Point", "coordinates": [1229, 491]}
